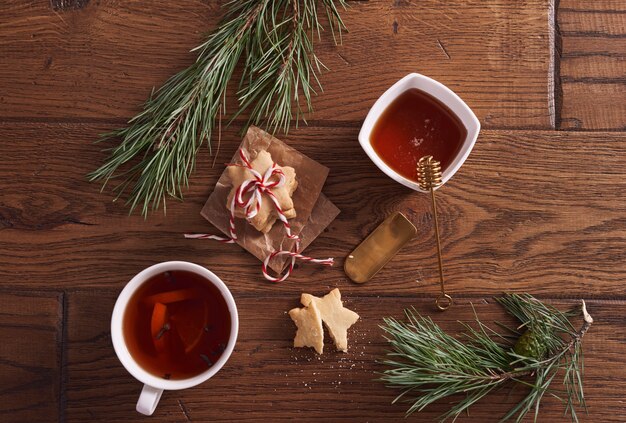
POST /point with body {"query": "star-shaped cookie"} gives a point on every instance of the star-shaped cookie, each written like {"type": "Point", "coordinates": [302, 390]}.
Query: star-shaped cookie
{"type": "Point", "coordinates": [335, 316]}
{"type": "Point", "coordinates": [267, 215]}
{"type": "Point", "coordinates": [309, 323]}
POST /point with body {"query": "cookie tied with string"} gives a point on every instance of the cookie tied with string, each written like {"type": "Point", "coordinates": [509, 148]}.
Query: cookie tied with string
{"type": "Point", "coordinates": [266, 215]}
{"type": "Point", "coordinates": [304, 195]}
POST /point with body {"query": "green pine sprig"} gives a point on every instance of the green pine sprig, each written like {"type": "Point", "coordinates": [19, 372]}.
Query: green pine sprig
{"type": "Point", "coordinates": [428, 364]}
{"type": "Point", "coordinates": [272, 40]}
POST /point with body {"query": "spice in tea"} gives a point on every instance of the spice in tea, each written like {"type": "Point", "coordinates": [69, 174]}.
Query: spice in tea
{"type": "Point", "coordinates": [176, 325]}
{"type": "Point", "coordinates": [414, 125]}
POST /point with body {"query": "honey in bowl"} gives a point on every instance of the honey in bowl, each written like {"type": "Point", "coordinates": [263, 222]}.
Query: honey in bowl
{"type": "Point", "coordinates": [176, 325]}
{"type": "Point", "coordinates": [414, 125]}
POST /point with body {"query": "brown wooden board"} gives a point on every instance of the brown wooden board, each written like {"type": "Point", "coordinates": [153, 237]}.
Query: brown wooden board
{"type": "Point", "coordinates": [539, 211]}
{"type": "Point", "coordinates": [593, 64]}
{"type": "Point", "coordinates": [88, 59]}
{"type": "Point", "coordinates": [266, 379]}
{"type": "Point", "coordinates": [30, 355]}
{"type": "Point", "coordinates": [532, 209]}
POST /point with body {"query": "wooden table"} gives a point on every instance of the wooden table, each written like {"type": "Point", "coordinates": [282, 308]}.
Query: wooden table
{"type": "Point", "coordinates": [539, 207]}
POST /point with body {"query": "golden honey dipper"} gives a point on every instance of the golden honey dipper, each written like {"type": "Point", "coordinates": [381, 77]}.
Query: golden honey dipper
{"type": "Point", "coordinates": [429, 178]}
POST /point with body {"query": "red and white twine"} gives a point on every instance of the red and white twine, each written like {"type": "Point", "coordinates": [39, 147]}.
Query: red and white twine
{"type": "Point", "coordinates": [249, 196]}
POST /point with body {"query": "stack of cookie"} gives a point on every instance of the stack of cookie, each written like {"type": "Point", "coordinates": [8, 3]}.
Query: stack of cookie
{"type": "Point", "coordinates": [300, 198]}
{"type": "Point", "coordinates": [267, 215]}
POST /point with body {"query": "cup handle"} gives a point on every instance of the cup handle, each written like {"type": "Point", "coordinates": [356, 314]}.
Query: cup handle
{"type": "Point", "coordinates": [148, 400]}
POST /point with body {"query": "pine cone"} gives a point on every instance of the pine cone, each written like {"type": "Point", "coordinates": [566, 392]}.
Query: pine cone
{"type": "Point", "coordinates": [530, 345]}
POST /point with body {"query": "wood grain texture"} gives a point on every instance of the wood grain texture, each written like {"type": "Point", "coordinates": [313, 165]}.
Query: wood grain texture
{"type": "Point", "coordinates": [531, 210]}
{"type": "Point", "coordinates": [30, 356]}
{"type": "Point", "coordinates": [593, 64]}
{"type": "Point", "coordinates": [537, 211]}
{"type": "Point", "coordinates": [65, 62]}
{"type": "Point", "coordinates": [486, 61]}
{"type": "Point", "coordinates": [267, 380]}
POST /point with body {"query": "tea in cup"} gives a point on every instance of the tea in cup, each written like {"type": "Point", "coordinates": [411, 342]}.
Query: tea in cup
{"type": "Point", "coordinates": [174, 326]}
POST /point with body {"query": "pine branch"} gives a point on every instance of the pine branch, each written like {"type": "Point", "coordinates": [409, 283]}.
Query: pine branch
{"type": "Point", "coordinates": [429, 364]}
{"type": "Point", "coordinates": [158, 149]}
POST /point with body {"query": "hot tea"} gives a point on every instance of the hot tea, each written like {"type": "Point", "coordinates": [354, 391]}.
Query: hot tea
{"type": "Point", "coordinates": [416, 125]}
{"type": "Point", "coordinates": [176, 325]}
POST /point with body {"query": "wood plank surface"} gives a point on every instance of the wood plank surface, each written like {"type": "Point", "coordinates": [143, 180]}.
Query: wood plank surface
{"type": "Point", "coordinates": [532, 210]}
{"type": "Point", "coordinates": [101, 59]}
{"type": "Point", "coordinates": [30, 356]}
{"type": "Point", "coordinates": [527, 210]}
{"type": "Point", "coordinates": [268, 380]}
{"type": "Point", "coordinates": [593, 64]}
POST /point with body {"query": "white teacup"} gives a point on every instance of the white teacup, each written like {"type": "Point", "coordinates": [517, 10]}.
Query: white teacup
{"type": "Point", "coordinates": [440, 92]}
{"type": "Point", "coordinates": [153, 385]}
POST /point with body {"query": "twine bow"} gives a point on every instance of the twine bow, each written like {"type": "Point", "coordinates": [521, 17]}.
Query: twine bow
{"type": "Point", "coordinates": [249, 197]}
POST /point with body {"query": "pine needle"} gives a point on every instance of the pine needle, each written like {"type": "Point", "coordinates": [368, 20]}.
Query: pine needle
{"type": "Point", "coordinates": [428, 364]}
{"type": "Point", "coordinates": [273, 42]}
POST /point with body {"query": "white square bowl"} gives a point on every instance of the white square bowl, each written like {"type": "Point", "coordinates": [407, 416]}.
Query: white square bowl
{"type": "Point", "coordinates": [442, 93]}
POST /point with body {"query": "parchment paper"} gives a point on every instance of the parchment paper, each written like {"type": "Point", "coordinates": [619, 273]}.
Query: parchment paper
{"type": "Point", "coordinates": [314, 211]}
